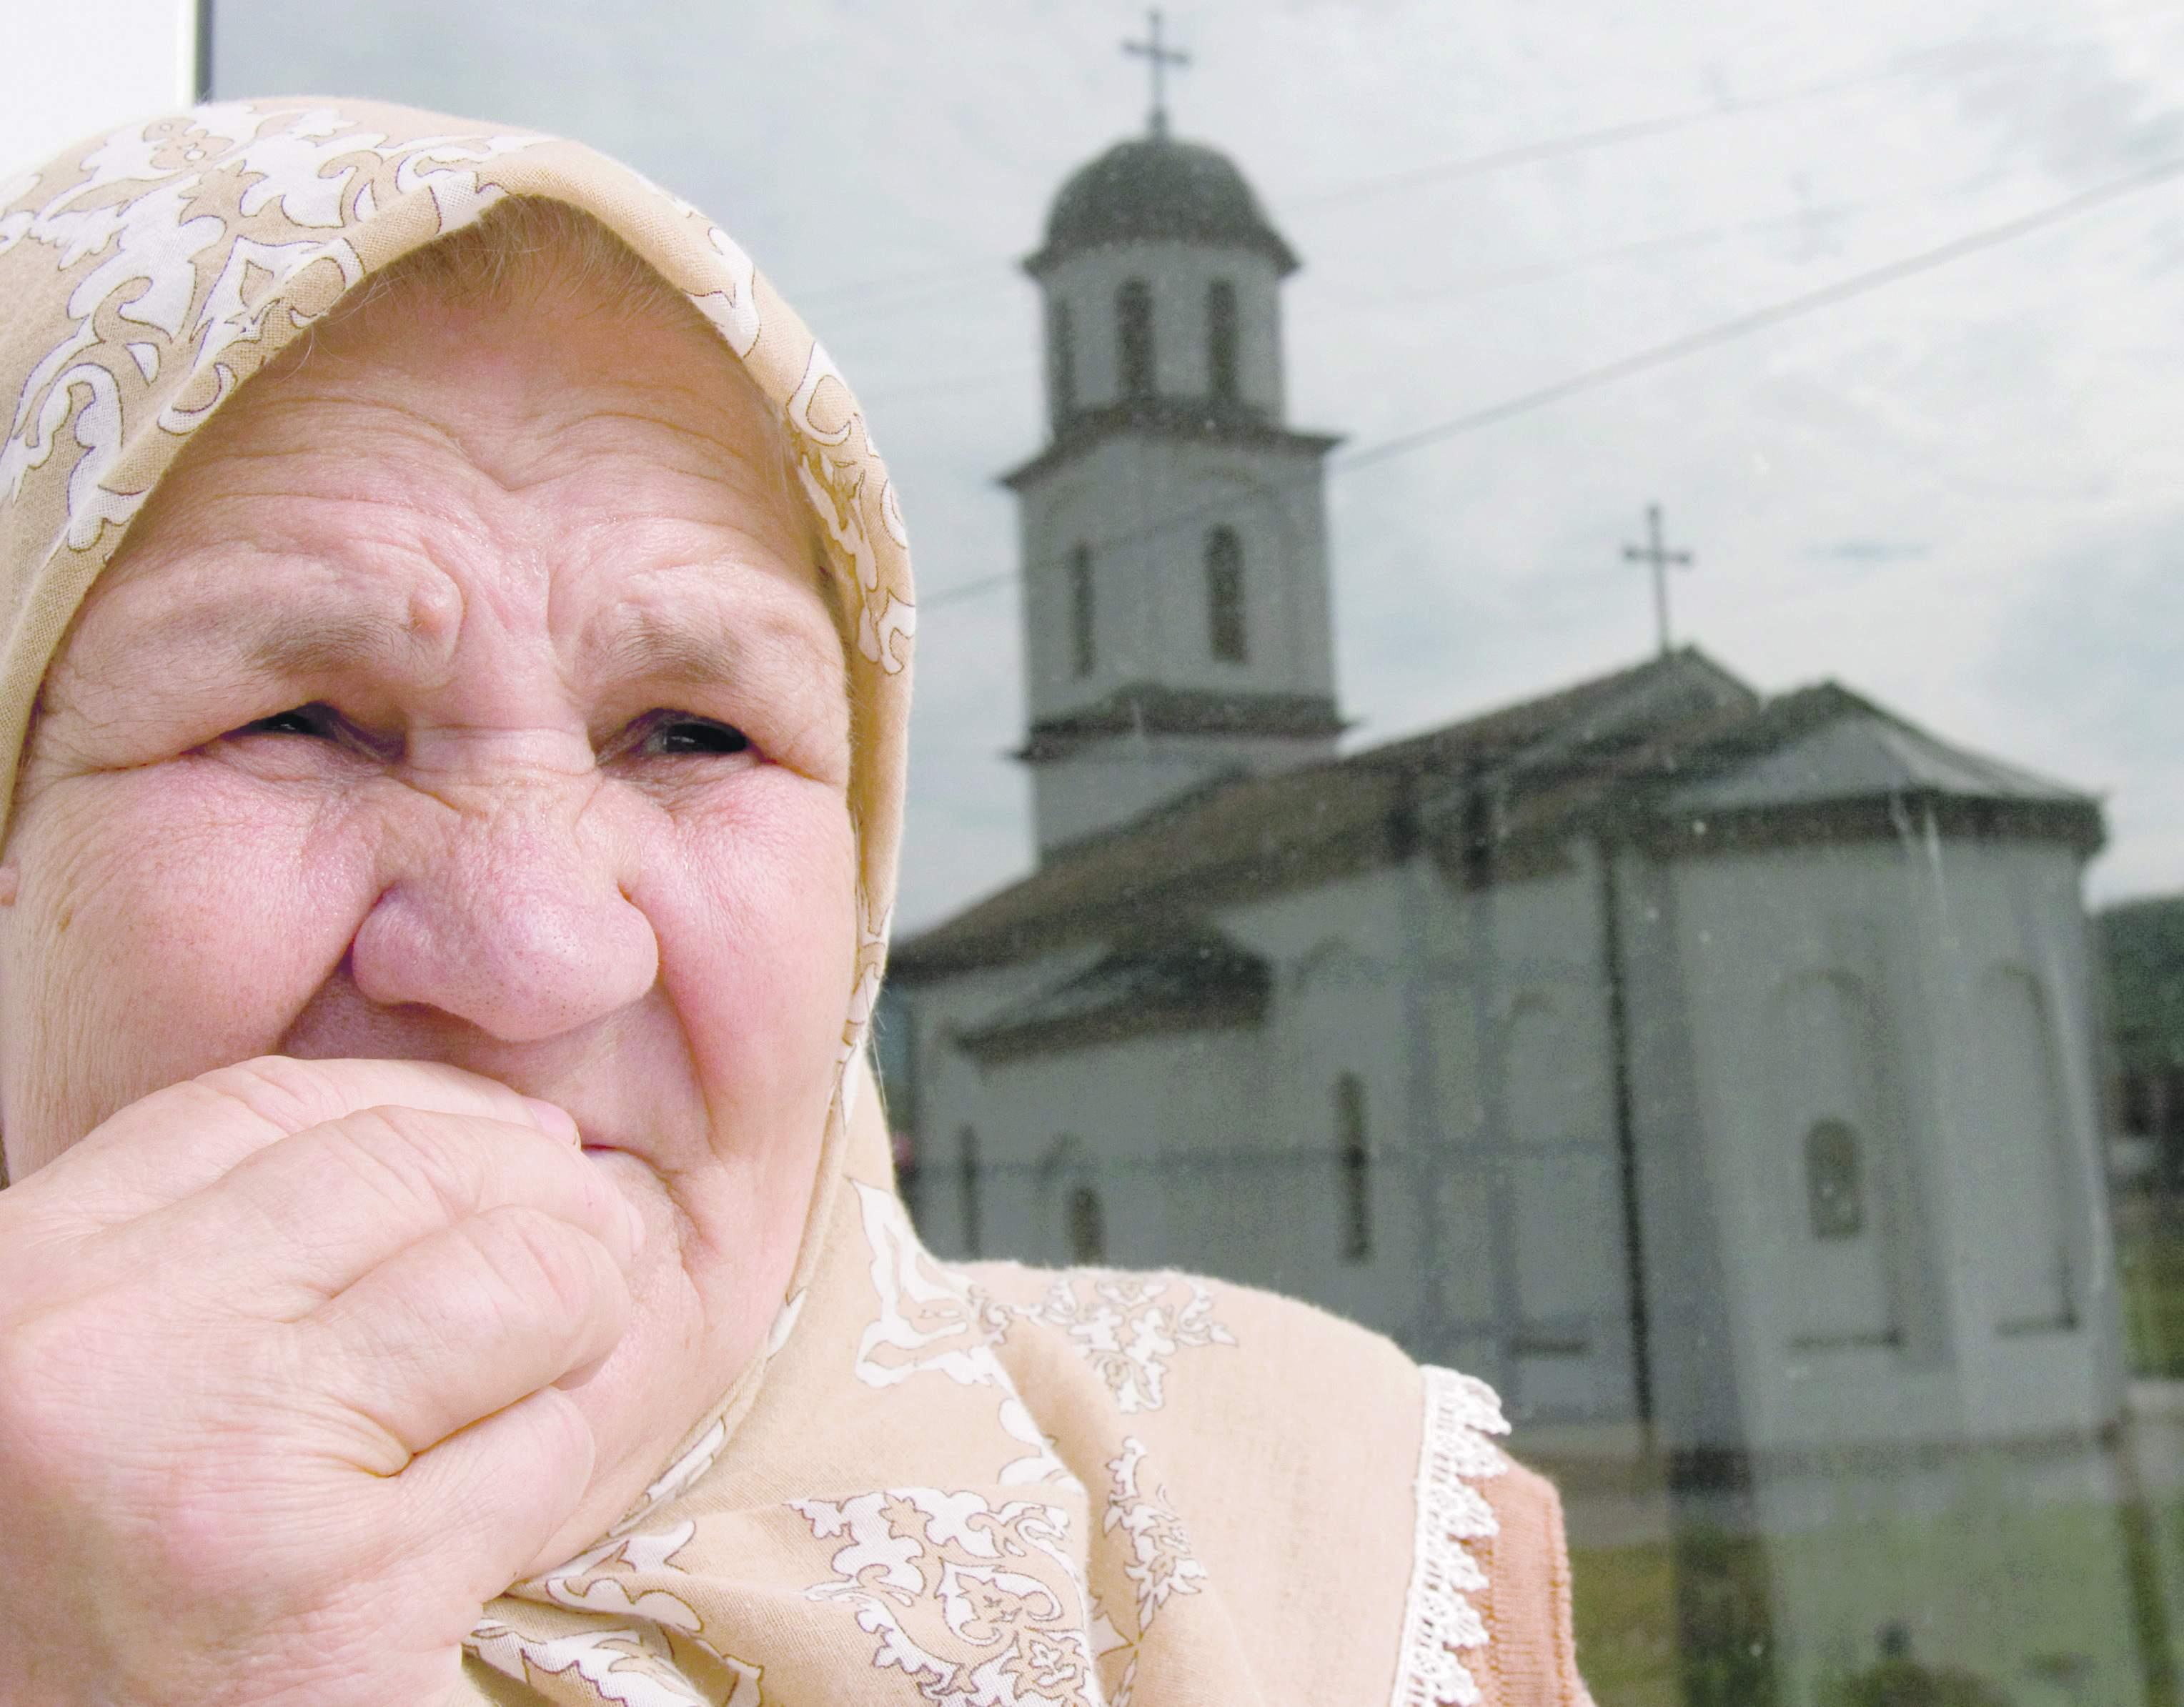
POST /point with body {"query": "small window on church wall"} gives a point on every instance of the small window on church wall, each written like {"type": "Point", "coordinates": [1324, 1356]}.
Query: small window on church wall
{"type": "Point", "coordinates": [1224, 594]}
{"type": "Point", "coordinates": [1350, 1137]}
{"type": "Point", "coordinates": [1134, 336]}
{"type": "Point", "coordinates": [966, 1152]}
{"type": "Point", "coordinates": [1061, 363]}
{"type": "Point", "coordinates": [1088, 1226]}
{"type": "Point", "coordinates": [1221, 340]}
{"type": "Point", "coordinates": [1081, 655]}
{"type": "Point", "coordinates": [1835, 1191]}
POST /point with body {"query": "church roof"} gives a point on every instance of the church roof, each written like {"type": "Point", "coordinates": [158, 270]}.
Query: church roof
{"type": "Point", "coordinates": [1676, 754]}
{"type": "Point", "coordinates": [1861, 753]}
{"type": "Point", "coordinates": [1195, 979]}
{"type": "Point", "coordinates": [1155, 187]}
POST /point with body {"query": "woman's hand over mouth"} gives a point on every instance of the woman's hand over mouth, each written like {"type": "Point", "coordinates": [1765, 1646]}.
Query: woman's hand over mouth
{"type": "Point", "coordinates": [279, 1348]}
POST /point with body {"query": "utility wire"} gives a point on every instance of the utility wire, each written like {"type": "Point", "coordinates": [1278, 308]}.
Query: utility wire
{"type": "Point", "coordinates": [914, 287]}
{"type": "Point", "coordinates": [1656, 355]}
{"type": "Point", "coordinates": [1585, 142]}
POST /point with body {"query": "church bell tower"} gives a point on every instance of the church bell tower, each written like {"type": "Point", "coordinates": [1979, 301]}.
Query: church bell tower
{"type": "Point", "coordinates": [1176, 614]}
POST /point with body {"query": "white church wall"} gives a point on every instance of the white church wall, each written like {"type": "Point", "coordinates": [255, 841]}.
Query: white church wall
{"type": "Point", "coordinates": [950, 1099]}
{"type": "Point", "coordinates": [1853, 976]}
{"type": "Point", "coordinates": [1151, 612]}
{"type": "Point", "coordinates": [1178, 275]}
{"type": "Point", "coordinates": [1343, 953]}
{"type": "Point", "coordinates": [2032, 1298]}
{"type": "Point", "coordinates": [1528, 1090]}
{"type": "Point", "coordinates": [1107, 1119]}
{"type": "Point", "coordinates": [1697, 1358]}
{"type": "Point", "coordinates": [1478, 1025]}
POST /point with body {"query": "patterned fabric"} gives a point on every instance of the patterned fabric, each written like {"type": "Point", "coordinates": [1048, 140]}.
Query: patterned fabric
{"type": "Point", "coordinates": [983, 1487]}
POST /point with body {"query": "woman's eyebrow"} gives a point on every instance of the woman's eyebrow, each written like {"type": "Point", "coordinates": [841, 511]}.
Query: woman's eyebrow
{"type": "Point", "coordinates": [702, 646]}
{"type": "Point", "coordinates": [677, 650]}
{"type": "Point", "coordinates": [286, 637]}
{"type": "Point", "coordinates": [285, 643]}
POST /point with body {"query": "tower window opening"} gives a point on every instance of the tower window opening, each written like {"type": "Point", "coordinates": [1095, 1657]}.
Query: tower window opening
{"type": "Point", "coordinates": [1088, 1226]}
{"type": "Point", "coordinates": [967, 1162]}
{"type": "Point", "coordinates": [1221, 340]}
{"type": "Point", "coordinates": [1834, 1188]}
{"type": "Point", "coordinates": [1061, 363]}
{"type": "Point", "coordinates": [1134, 336]}
{"type": "Point", "coordinates": [1081, 611]}
{"type": "Point", "coordinates": [1357, 1164]}
{"type": "Point", "coordinates": [1224, 594]}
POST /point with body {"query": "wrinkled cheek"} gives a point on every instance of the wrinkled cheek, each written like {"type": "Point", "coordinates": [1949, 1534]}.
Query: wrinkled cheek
{"type": "Point", "coordinates": [758, 950]}
{"type": "Point", "coordinates": [163, 928]}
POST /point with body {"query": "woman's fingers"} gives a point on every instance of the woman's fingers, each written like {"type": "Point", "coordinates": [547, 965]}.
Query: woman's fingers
{"type": "Point", "coordinates": [478, 1510]}
{"type": "Point", "coordinates": [178, 1141]}
{"type": "Point", "coordinates": [475, 1318]}
{"type": "Point", "coordinates": [302, 1219]}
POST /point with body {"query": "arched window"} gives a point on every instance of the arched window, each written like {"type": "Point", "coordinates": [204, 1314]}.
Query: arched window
{"type": "Point", "coordinates": [1844, 1271]}
{"type": "Point", "coordinates": [967, 1154]}
{"type": "Point", "coordinates": [1357, 1162]}
{"type": "Point", "coordinates": [1224, 594]}
{"type": "Point", "coordinates": [1835, 1181]}
{"type": "Point", "coordinates": [1088, 1226]}
{"type": "Point", "coordinates": [1134, 336]}
{"type": "Point", "coordinates": [1221, 340]}
{"type": "Point", "coordinates": [1081, 611]}
{"type": "Point", "coordinates": [1060, 364]}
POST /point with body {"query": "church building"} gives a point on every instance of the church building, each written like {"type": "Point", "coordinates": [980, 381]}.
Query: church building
{"type": "Point", "coordinates": [1712, 1071]}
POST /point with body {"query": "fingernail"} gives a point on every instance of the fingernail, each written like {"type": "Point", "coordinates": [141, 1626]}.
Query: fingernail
{"type": "Point", "coordinates": [553, 1118]}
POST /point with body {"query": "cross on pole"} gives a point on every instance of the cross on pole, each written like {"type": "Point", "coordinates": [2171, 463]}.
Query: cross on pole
{"type": "Point", "coordinates": [1160, 57]}
{"type": "Point", "coordinates": [1656, 553]}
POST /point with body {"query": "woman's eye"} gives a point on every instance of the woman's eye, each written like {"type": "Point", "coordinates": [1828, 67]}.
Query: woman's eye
{"type": "Point", "coordinates": [698, 735]}
{"type": "Point", "coordinates": [302, 720]}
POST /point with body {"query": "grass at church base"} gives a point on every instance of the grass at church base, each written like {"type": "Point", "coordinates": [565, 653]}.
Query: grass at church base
{"type": "Point", "coordinates": [1626, 1622]}
{"type": "Point", "coordinates": [1996, 1602]}
{"type": "Point", "coordinates": [2149, 1234]}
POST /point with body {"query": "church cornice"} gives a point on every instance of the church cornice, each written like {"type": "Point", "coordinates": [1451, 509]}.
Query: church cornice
{"type": "Point", "coordinates": [1148, 709]}
{"type": "Point", "coordinates": [1170, 420]}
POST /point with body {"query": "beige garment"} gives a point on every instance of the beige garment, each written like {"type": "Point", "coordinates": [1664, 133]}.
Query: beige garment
{"type": "Point", "coordinates": [978, 1487]}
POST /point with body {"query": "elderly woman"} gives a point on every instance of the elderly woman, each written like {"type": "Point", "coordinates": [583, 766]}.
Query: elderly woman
{"type": "Point", "coordinates": [456, 643]}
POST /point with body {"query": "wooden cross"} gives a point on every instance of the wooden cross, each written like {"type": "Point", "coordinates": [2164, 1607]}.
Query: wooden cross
{"type": "Point", "coordinates": [1161, 57]}
{"type": "Point", "coordinates": [1656, 553]}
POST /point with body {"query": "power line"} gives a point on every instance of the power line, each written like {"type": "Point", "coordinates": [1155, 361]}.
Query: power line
{"type": "Point", "coordinates": [1659, 355]}
{"type": "Point", "coordinates": [1759, 319]}
{"type": "Point", "coordinates": [1906, 64]}
{"type": "Point", "coordinates": [1585, 142]}
{"type": "Point", "coordinates": [923, 284]}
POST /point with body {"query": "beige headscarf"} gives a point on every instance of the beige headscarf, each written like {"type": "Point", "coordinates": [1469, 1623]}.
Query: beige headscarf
{"type": "Point", "coordinates": [987, 1487]}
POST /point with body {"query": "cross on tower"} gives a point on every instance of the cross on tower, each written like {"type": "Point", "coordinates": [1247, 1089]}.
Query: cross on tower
{"type": "Point", "coordinates": [1160, 56]}
{"type": "Point", "coordinates": [1656, 553]}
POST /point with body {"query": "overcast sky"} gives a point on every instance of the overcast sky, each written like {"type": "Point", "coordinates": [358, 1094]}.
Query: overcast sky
{"type": "Point", "coordinates": [1962, 494]}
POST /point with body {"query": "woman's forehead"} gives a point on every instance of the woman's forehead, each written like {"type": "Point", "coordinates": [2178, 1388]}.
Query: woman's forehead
{"type": "Point", "coordinates": [642, 413]}
{"type": "Point", "coordinates": [460, 453]}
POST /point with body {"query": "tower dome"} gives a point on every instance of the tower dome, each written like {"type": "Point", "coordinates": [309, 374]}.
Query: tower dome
{"type": "Point", "coordinates": [1156, 187]}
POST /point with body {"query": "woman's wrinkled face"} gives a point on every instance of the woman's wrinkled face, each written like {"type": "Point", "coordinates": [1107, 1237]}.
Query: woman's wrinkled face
{"type": "Point", "coordinates": [466, 694]}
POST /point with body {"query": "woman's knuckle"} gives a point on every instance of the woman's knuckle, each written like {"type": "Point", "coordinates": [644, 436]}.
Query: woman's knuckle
{"type": "Point", "coordinates": [539, 1260]}
{"type": "Point", "coordinates": [403, 1154]}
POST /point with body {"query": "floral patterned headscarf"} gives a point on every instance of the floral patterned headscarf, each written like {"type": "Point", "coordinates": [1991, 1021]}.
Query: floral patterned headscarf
{"type": "Point", "coordinates": [934, 1484]}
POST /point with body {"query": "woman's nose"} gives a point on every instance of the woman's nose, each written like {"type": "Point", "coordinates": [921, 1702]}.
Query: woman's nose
{"type": "Point", "coordinates": [508, 911]}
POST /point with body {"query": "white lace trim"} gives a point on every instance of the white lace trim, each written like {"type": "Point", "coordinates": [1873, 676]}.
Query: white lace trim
{"type": "Point", "coordinates": [1439, 1620]}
